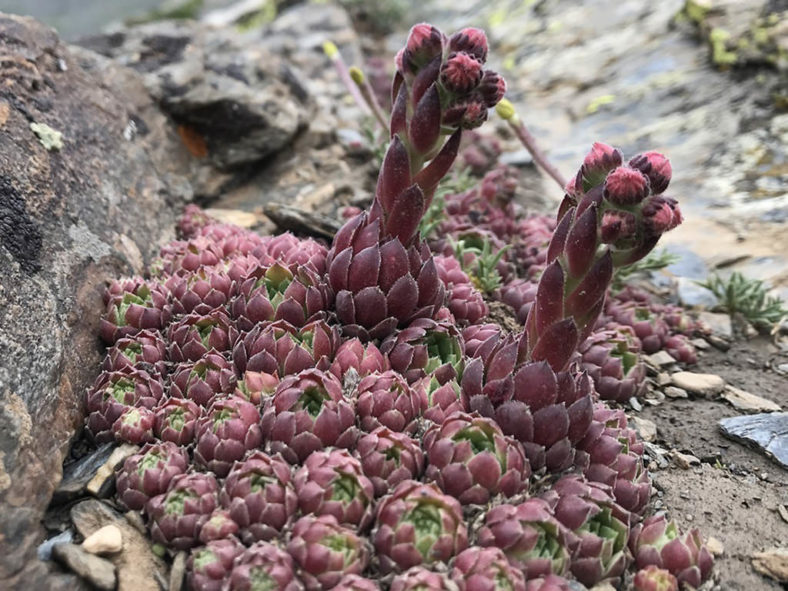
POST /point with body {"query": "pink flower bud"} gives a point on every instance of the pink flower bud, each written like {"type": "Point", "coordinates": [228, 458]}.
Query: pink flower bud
{"type": "Point", "coordinates": [656, 167]}
{"type": "Point", "coordinates": [461, 73]}
{"type": "Point", "coordinates": [492, 88]}
{"type": "Point", "coordinates": [617, 225]}
{"type": "Point", "coordinates": [425, 43]}
{"type": "Point", "coordinates": [599, 161]}
{"type": "Point", "coordinates": [662, 214]}
{"type": "Point", "coordinates": [626, 186]}
{"type": "Point", "coordinates": [472, 41]}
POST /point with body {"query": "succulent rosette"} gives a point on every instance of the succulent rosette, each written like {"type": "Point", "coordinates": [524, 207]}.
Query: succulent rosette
{"type": "Point", "coordinates": [417, 524]}
{"type": "Point", "coordinates": [649, 328]}
{"type": "Point", "coordinates": [209, 565]}
{"type": "Point", "coordinates": [114, 392]}
{"type": "Point", "coordinates": [419, 578]}
{"type": "Point", "coordinates": [220, 525]}
{"type": "Point", "coordinates": [388, 457]}
{"type": "Point", "coordinates": [612, 359]}
{"type": "Point", "coordinates": [485, 569]}
{"type": "Point", "coordinates": [519, 294]}
{"type": "Point", "coordinates": [296, 295]}
{"type": "Point", "coordinates": [144, 350]}
{"type": "Point", "coordinates": [480, 339]}
{"type": "Point", "coordinates": [182, 257]}
{"type": "Point", "coordinates": [225, 432]}
{"type": "Point", "coordinates": [279, 347]}
{"type": "Point", "coordinates": [204, 380]}
{"type": "Point", "coordinates": [332, 482]}
{"type": "Point", "coordinates": [611, 454]}
{"type": "Point", "coordinates": [308, 412]}
{"type": "Point", "coordinates": [134, 425]}
{"type": "Point", "coordinates": [290, 250]}
{"type": "Point", "coordinates": [470, 459]}
{"type": "Point", "coordinates": [255, 386]}
{"type": "Point", "coordinates": [365, 359]}
{"type": "Point", "coordinates": [658, 541]}
{"type": "Point", "coordinates": [530, 536]}
{"type": "Point", "coordinates": [263, 565]}
{"type": "Point", "coordinates": [259, 495]}
{"type": "Point", "coordinates": [200, 291]}
{"type": "Point", "coordinates": [194, 335]}
{"type": "Point", "coordinates": [463, 299]}
{"type": "Point", "coordinates": [326, 551]}
{"type": "Point", "coordinates": [427, 348]}
{"type": "Point", "coordinates": [192, 220]}
{"type": "Point", "coordinates": [177, 516]}
{"type": "Point", "coordinates": [356, 583]}
{"type": "Point", "coordinates": [133, 305]}
{"type": "Point", "coordinates": [440, 400]}
{"type": "Point", "coordinates": [176, 420]}
{"type": "Point", "coordinates": [548, 583]}
{"type": "Point", "coordinates": [598, 526]}
{"type": "Point", "coordinates": [653, 578]}
{"type": "Point", "coordinates": [386, 400]}
{"type": "Point", "coordinates": [148, 473]}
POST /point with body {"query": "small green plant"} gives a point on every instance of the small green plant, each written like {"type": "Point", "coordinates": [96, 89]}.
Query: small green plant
{"type": "Point", "coordinates": [748, 297]}
{"type": "Point", "coordinates": [653, 262]}
{"type": "Point", "coordinates": [481, 265]}
{"type": "Point", "coordinates": [459, 182]}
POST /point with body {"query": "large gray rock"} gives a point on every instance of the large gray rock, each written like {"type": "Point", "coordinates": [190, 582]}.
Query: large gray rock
{"type": "Point", "coordinates": [84, 198]}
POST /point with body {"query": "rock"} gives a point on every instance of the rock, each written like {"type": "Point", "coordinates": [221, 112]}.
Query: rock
{"type": "Point", "coordinates": [700, 344]}
{"type": "Point", "coordinates": [718, 324]}
{"type": "Point", "coordinates": [177, 571]}
{"type": "Point", "coordinates": [44, 551]}
{"type": "Point", "coordinates": [718, 342]}
{"type": "Point", "coordinates": [783, 511]}
{"type": "Point", "coordinates": [102, 483]}
{"type": "Point", "coordinates": [635, 404]}
{"type": "Point", "coordinates": [645, 428]}
{"type": "Point", "coordinates": [106, 540]}
{"type": "Point", "coordinates": [244, 219]}
{"type": "Point", "coordinates": [100, 572]}
{"type": "Point", "coordinates": [659, 359]}
{"type": "Point", "coordinates": [772, 563]}
{"type": "Point", "coordinates": [692, 295]}
{"type": "Point", "coordinates": [69, 220]}
{"type": "Point", "coordinates": [767, 432]}
{"type": "Point", "coordinates": [684, 461]}
{"type": "Point", "coordinates": [714, 546]}
{"type": "Point", "coordinates": [673, 392]}
{"type": "Point", "coordinates": [702, 384]}
{"type": "Point", "coordinates": [741, 400]}
{"type": "Point", "coordinates": [77, 474]}
{"type": "Point", "coordinates": [300, 221]}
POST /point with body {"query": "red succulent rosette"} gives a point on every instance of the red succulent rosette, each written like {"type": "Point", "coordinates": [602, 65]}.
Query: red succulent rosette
{"type": "Point", "coordinates": [177, 516]}
{"type": "Point", "coordinates": [148, 473]}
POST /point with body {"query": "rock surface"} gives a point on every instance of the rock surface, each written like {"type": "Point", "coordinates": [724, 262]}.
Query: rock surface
{"type": "Point", "coordinates": [768, 432]}
{"type": "Point", "coordinates": [70, 219]}
{"type": "Point", "coordinates": [98, 571]}
{"type": "Point", "coordinates": [772, 563]}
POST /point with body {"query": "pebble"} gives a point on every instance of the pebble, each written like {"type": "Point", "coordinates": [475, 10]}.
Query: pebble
{"type": "Point", "coordinates": [719, 324]}
{"type": "Point", "coordinates": [645, 428]}
{"type": "Point", "coordinates": [105, 540]}
{"type": "Point", "coordinates": [663, 378]}
{"type": "Point", "coordinates": [177, 571]}
{"type": "Point", "coordinates": [701, 344]}
{"type": "Point", "coordinates": [635, 404]}
{"type": "Point", "coordinates": [744, 401]}
{"type": "Point", "coordinates": [684, 461]}
{"type": "Point", "coordinates": [98, 571]}
{"type": "Point", "coordinates": [714, 546]}
{"type": "Point", "coordinates": [659, 359]}
{"type": "Point", "coordinates": [44, 551]}
{"type": "Point", "coordinates": [702, 384]}
{"type": "Point", "coordinates": [772, 563]}
{"type": "Point", "coordinates": [767, 431]}
{"type": "Point", "coordinates": [673, 392]}
{"type": "Point", "coordinates": [101, 484]}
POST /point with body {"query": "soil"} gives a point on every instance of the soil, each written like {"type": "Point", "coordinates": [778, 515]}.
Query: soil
{"type": "Point", "coordinates": [735, 493]}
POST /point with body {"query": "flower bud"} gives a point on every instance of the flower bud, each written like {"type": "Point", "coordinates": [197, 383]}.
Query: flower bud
{"type": "Point", "coordinates": [461, 73]}
{"type": "Point", "coordinates": [471, 41]}
{"type": "Point", "coordinates": [626, 186]}
{"type": "Point", "coordinates": [617, 225]}
{"type": "Point", "coordinates": [492, 88]}
{"type": "Point", "coordinates": [425, 42]}
{"type": "Point", "coordinates": [656, 167]}
{"type": "Point", "coordinates": [661, 214]}
{"type": "Point", "coordinates": [599, 161]}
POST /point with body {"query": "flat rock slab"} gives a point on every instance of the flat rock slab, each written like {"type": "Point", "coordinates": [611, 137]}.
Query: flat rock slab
{"type": "Point", "coordinates": [768, 432]}
{"type": "Point", "coordinates": [746, 402]}
{"type": "Point", "coordinates": [772, 563]}
{"type": "Point", "coordinates": [701, 384]}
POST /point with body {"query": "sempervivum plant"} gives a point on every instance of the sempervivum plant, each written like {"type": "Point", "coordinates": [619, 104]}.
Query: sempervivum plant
{"type": "Point", "coordinates": [203, 380]}
{"type": "Point", "coordinates": [259, 494]}
{"type": "Point", "coordinates": [279, 347]}
{"type": "Point", "coordinates": [485, 569]}
{"type": "Point", "coordinates": [133, 305]}
{"type": "Point", "coordinates": [209, 565]}
{"type": "Point", "coordinates": [176, 420]}
{"type": "Point", "coordinates": [194, 335]}
{"type": "Point", "coordinates": [356, 583]}
{"type": "Point", "coordinates": [201, 291]}
{"type": "Point", "coordinates": [225, 432]}
{"type": "Point", "coordinates": [177, 516]}
{"type": "Point", "coordinates": [381, 271]}
{"type": "Point", "coordinates": [385, 399]}
{"type": "Point", "coordinates": [389, 457]}
{"type": "Point", "coordinates": [419, 578]}
{"type": "Point", "coordinates": [440, 400]}
{"type": "Point", "coordinates": [308, 412]}
{"type": "Point", "coordinates": [658, 541]}
{"type": "Point", "coordinates": [462, 298]}
{"type": "Point", "coordinates": [548, 583]}
{"type": "Point", "coordinates": [653, 578]}
{"type": "Point", "coordinates": [134, 425]}
{"type": "Point", "coordinates": [148, 473]}
{"type": "Point", "coordinates": [182, 257]}
{"type": "Point", "coordinates": [470, 458]}
{"type": "Point", "coordinates": [364, 359]}
{"type": "Point", "coordinates": [417, 524]}
{"type": "Point", "coordinates": [326, 551]}
{"type": "Point", "coordinates": [296, 295]}
{"type": "Point", "coordinates": [218, 527]}
{"type": "Point", "coordinates": [598, 526]}
{"type": "Point", "coordinates": [612, 455]}
{"type": "Point", "coordinates": [290, 250]}
{"type": "Point", "coordinates": [612, 359]}
{"type": "Point", "coordinates": [255, 386]}
{"type": "Point", "coordinates": [519, 294]}
{"type": "Point", "coordinates": [114, 392]}
{"type": "Point", "coordinates": [530, 536]}
{"type": "Point", "coordinates": [263, 566]}
{"type": "Point", "coordinates": [427, 348]}
{"type": "Point", "coordinates": [144, 350]}
{"type": "Point", "coordinates": [331, 482]}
